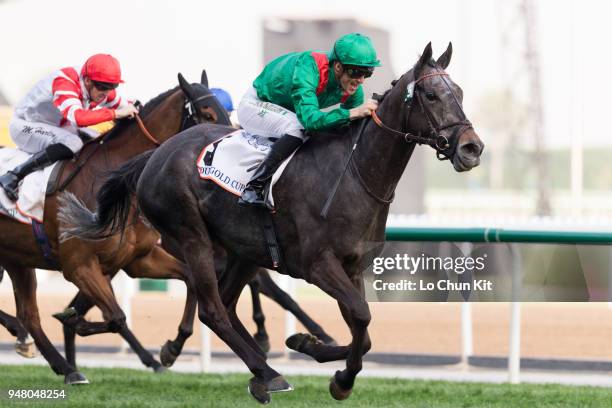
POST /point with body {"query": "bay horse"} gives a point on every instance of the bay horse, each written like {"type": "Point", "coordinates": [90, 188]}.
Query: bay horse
{"type": "Point", "coordinates": [424, 106]}
{"type": "Point", "coordinates": [91, 266]}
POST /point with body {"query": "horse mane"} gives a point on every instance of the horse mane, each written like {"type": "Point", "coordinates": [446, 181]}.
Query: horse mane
{"type": "Point", "coordinates": [121, 124]}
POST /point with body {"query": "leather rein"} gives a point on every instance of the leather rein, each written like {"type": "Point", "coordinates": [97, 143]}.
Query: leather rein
{"type": "Point", "coordinates": [145, 131]}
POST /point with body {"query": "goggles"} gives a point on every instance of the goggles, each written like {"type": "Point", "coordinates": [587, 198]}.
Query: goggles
{"type": "Point", "coordinates": [104, 86]}
{"type": "Point", "coordinates": [355, 72]}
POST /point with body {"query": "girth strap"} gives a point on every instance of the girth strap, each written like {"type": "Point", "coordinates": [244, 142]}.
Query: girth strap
{"type": "Point", "coordinates": [270, 235]}
{"type": "Point", "coordinates": [43, 243]}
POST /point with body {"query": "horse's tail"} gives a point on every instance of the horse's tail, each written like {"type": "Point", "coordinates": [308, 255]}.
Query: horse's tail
{"type": "Point", "coordinates": [113, 201]}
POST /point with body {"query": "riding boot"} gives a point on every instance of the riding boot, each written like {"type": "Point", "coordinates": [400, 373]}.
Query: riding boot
{"type": "Point", "coordinates": [10, 180]}
{"type": "Point", "coordinates": [253, 193]}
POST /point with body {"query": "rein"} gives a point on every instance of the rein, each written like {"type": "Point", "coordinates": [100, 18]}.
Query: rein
{"type": "Point", "coordinates": [145, 131]}
{"type": "Point", "coordinates": [410, 137]}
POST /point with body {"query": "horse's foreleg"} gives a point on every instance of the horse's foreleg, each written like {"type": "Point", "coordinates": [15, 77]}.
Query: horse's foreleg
{"type": "Point", "coordinates": [260, 336]}
{"type": "Point", "coordinates": [159, 264]}
{"type": "Point", "coordinates": [88, 277]}
{"type": "Point", "coordinates": [271, 290]}
{"type": "Point", "coordinates": [24, 286]}
{"type": "Point", "coordinates": [12, 324]}
{"type": "Point", "coordinates": [233, 280]}
{"type": "Point", "coordinates": [81, 304]}
{"type": "Point", "coordinates": [173, 348]}
{"type": "Point", "coordinates": [24, 345]}
{"type": "Point", "coordinates": [329, 275]}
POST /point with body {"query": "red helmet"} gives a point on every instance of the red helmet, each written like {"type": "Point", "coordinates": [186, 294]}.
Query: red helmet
{"type": "Point", "coordinates": [102, 68]}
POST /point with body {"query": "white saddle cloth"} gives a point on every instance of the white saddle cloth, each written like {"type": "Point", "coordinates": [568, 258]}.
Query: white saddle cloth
{"type": "Point", "coordinates": [31, 202]}
{"type": "Point", "coordinates": [231, 160]}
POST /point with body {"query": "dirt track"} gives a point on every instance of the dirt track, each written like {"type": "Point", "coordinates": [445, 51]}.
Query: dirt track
{"type": "Point", "coordinates": [568, 330]}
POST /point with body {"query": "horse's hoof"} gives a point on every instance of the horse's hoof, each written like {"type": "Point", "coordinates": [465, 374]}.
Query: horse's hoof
{"type": "Point", "coordinates": [278, 384]}
{"type": "Point", "coordinates": [336, 391]}
{"type": "Point", "coordinates": [159, 369]}
{"type": "Point", "coordinates": [75, 378]}
{"type": "Point", "coordinates": [258, 390]}
{"type": "Point", "coordinates": [166, 355]}
{"type": "Point", "coordinates": [26, 348]}
{"type": "Point", "coordinates": [298, 341]}
{"type": "Point", "coordinates": [65, 314]}
{"type": "Point", "coordinates": [263, 342]}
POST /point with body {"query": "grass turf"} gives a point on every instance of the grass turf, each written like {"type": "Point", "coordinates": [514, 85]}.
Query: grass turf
{"type": "Point", "coordinates": [136, 388]}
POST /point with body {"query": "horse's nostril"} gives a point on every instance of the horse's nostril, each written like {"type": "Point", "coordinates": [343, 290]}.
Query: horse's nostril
{"type": "Point", "coordinates": [471, 149]}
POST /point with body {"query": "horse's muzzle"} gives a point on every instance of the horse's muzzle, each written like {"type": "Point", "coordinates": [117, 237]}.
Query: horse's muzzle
{"type": "Point", "coordinates": [467, 155]}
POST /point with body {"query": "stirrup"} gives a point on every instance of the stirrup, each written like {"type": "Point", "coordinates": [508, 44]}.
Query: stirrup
{"type": "Point", "coordinates": [252, 197]}
{"type": "Point", "coordinates": [11, 187]}
{"type": "Point", "coordinates": [255, 198]}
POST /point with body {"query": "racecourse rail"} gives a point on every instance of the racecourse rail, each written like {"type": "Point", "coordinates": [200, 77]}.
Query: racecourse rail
{"type": "Point", "coordinates": [493, 235]}
{"type": "Point", "coordinates": [497, 235]}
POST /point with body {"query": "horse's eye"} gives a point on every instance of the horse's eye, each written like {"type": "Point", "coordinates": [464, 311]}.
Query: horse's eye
{"type": "Point", "coordinates": [430, 95]}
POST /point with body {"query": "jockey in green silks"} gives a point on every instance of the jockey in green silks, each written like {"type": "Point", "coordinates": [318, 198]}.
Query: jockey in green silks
{"type": "Point", "coordinates": [287, 97]}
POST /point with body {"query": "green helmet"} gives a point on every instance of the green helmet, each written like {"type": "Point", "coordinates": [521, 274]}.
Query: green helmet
{"type": "Point", "coordinates": [355, 49]}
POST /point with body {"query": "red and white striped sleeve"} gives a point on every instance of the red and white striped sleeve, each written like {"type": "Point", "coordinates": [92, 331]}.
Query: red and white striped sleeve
{"type": "Point", "coordinates": [66, 97]}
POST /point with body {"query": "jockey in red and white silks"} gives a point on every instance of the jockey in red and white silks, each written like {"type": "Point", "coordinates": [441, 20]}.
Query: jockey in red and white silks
{"type": "Point", "coordinates": [55, 108]}
{"type": "Point", "coordinates": [47, 120]}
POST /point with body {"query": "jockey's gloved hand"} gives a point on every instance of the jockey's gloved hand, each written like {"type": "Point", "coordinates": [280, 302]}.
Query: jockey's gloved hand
{"type": "Point", "coordinates": [363, 110]}
{"type": "Point", "coordinates": [128, 111]}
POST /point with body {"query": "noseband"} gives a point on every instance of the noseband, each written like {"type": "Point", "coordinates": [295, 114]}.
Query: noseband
{"type": "Point", "coordinates": [433, 138]}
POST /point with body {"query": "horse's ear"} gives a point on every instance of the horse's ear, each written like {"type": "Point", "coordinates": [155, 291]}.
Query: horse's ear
{"type": "Point", "coordinates": [204, 79]}
{"type": "Point", "coordinates": [185, 86]}
{"type": "Point", "coordinates": [445, 58]}
{"type": "Point", "coordinates": [425, 58]}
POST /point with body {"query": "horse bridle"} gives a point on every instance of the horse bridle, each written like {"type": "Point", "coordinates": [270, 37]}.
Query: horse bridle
{"type": "Point", "coordinates": [434, 139]}
{"type": "Point", "coordinates": [191, 108]}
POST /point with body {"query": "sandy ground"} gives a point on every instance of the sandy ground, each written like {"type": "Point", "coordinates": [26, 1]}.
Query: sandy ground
{"type": "Point", "coordinates": [570, 330]}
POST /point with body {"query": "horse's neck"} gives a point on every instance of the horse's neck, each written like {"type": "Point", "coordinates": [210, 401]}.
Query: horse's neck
{"type": "Point", "coordinates": [165, 120]}
{"type": "Point", "coordinates": [162, 122]}
{"type": "Point", "coordinates": [128, 144]}
{"type": "Point", "coordinates": [381, 157]}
